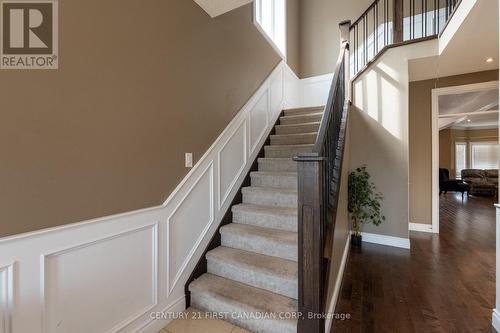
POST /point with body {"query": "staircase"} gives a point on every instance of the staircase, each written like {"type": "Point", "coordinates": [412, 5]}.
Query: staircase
{"type": "Point", "coordinates": [253, 275]}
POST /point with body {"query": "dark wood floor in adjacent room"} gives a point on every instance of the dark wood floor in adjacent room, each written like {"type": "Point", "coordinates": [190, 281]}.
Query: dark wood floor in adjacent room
{"type": "Point", "coordinates": [445, 283]}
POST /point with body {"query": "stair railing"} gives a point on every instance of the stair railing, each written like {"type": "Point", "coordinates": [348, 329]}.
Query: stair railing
{"type": "Point", "coordinates": [318, 190]}
{"type": "Point", "coordinates": [388, 23]}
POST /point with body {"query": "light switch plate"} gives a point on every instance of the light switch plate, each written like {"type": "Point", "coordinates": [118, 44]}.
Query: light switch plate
{"type": "Point", "coordinates": [189, 160]}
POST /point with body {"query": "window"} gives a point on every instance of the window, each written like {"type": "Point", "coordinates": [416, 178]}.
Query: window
{"type": "Point", "coordinates": [270, 18]}
{"type": "Point", "coordinates": [460, 159]}
{"type": "Point", "coordinates": [484, 155]}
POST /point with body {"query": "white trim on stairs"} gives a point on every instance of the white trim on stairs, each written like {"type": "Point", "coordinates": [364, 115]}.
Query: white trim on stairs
{"type": "Point", "coordinates": [386, 240]}
{"type": "Point", "coordinates": [338, 284]}
{"type": "Point", "coordinates": [496, 320]}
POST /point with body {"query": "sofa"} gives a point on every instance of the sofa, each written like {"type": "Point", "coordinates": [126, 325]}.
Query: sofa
{"type": "Point", "coordinates": [481, 182]}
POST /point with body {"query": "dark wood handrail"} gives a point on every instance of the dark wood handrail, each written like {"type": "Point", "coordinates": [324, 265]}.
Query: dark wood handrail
{"type": "Point", "coordinates": [328, 108]}
{"type": "Point", "coordinates": [318, 194]}
{"type": "Point", "coordinates": [374, 3]}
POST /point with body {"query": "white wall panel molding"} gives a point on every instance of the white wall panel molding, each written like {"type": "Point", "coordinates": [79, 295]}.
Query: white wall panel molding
{"type": "Point", "coordinates": [231, 159]}
{"type": "Point", "coordinates": [276, 92]}
{"type": "Point", "coordinates": [188, 224]}
{"type": "Point", "coordinates": [121, 272]}
{"type": "Point", "coordinates": [314, 90]}
{"type": "Point", "coordinates": [258, 120]}
{"type": "Point", "coordinates": [127, 261]}
{"type": "Point", "coordinates": [291, 89]}
{"type": "Point", "coordinates": [6, 297]}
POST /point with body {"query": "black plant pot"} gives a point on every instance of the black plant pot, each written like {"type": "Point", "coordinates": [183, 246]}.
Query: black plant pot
{"type": "Point", "coordinates": [356, 240]}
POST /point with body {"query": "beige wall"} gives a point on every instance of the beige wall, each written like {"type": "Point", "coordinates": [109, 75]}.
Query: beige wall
{"type": "Point", "coordinates": [140, 83]}
{"type": "Point", "coordinates": [380, 131]}
{"type": "Point", "coordinates": [320, 34]}
{"type": "Point", "coordinates": [420, 139]}
{"type": "Point", "coordinates": [293, 35]}
{"type": "Point", "coordinates": [448, 137]}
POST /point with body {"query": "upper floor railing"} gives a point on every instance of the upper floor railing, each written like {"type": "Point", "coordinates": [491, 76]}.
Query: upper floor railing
{"type": "Point", "coordinates": [318, 193]}
{"type": "Point", "coordinates": [394, 22]}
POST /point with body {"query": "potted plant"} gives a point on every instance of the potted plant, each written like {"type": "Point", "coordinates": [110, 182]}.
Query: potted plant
{"type": "Point", "coordinates": [364, 202]}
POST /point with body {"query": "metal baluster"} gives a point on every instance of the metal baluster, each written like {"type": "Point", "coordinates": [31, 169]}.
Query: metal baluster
{"type": "Point", "coordinates": [435, 17]}
{"type": "Point", "coordinates": [413, 16]}
{"type": "Point", "coordinates": [374, 29]}
{"type": "Point", "coordinates": [385, 23]}
{"type": "Point", "coordinates": [376, 13]}
{"type": "Point", "coordinates": [357, 46]}
{"type": "Point", "coordinates": [425, 11]}
{"type": "Point", "coordinates": [439, 15]}
{"type": "Point", "coordinates": [364, 41]}
{"type": "Point", "coordinates": [422, 16]}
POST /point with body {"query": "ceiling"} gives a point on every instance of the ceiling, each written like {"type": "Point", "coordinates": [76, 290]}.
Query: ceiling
{"type": "Point", "coordinates": [218, 7]}
{"type": "Point", "coordinates": [475, 40]}
{"type": "Point", "coordinates": [478, 121]}
{"type": "Point", "coordinates": [476, 109]}
{"type": "Point", "coordinates": [469, 102]}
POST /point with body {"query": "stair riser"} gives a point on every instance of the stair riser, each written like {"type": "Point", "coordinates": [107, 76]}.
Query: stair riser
{"type": "Point", "coordinates": [211, 304]}
{"type": "Point", "coordinates": [260, 245]}
{"type": "Point", "coordinates": [278, 151]}
{"type": "Point", "coordinates": [293, 139]}
{"type": "Point", "coordinates": [278, 166]}
{"type": "Point", "coordinates": [288, 223]}
{"type": "Point", "coordinates": [275, 284]}
{"type": "Point", "coordinates": [304, 111]}
{"type": "Point", "coordinates": [297, 129]}
{"type": "Point", "coordinates": [270, 199]}
{"type": "Point", "coordinates": [300, 119]}
{"type": "Point", "coordinates": [284, 182]}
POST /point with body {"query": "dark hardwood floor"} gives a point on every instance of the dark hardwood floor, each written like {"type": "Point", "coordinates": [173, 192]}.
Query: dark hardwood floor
{"type": "Point", "coordinates": [445, 283]}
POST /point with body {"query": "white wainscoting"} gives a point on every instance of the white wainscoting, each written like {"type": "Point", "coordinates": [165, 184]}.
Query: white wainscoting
{"type": "Point", "coordinates": [117, 273]}
{"type": "Point", "coordinates": [6, 297]}
{"type": "Point", "coordinates": [314, 90]}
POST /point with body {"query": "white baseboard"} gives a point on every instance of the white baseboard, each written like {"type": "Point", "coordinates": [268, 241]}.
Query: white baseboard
{"type": "Point", "coordinates": [386, 240]}
{"type": "Point", "coordinates": [338, 284]}
{"type": "Point", "coordinates": [163, 318]}
{"type": "Point", "coordinates": [496, 320]}
{"type": "Point", "coordinates": [421, 227]}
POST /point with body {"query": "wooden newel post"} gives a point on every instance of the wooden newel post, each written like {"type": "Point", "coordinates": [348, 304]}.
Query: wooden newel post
{"type": "Point", "coordinates": [345, 37]}
{"type": "Point", "coordinates": [345, 27]}
{"type": "Point", "coordinates": [310, 243]}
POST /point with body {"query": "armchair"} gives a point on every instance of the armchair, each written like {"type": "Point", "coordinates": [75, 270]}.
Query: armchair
{"type": "Point", "coordinates": [446, 184]}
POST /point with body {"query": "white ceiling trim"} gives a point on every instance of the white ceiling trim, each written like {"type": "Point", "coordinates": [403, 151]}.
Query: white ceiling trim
{"type": "Point", "coordinates": [215, 8]}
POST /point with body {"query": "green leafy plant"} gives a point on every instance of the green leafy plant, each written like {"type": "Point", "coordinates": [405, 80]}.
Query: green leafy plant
{"type": "Point", "coordinates": [364, 200]}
